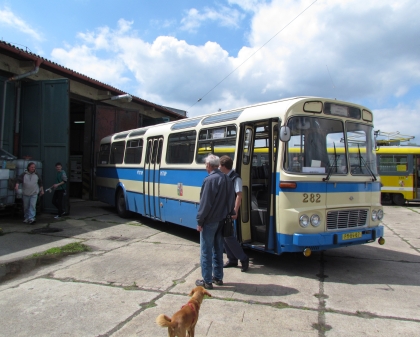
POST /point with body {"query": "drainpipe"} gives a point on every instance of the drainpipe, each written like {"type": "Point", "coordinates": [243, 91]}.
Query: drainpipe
{"type": "Point", "coordinates": [14, 78]}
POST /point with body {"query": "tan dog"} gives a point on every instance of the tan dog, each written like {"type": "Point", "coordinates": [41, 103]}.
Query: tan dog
{"type": "Point", "coordinates": [184, 320]}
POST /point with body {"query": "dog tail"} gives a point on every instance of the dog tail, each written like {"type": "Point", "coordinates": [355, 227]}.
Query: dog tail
{"type": "Point", "coordinates": [165, 321]}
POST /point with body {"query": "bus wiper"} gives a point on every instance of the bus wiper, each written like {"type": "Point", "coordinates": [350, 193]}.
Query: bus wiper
{"type": "Point", "coordinates": [363, 161]}
{"type": "Point", "coordinates": [330, 169]}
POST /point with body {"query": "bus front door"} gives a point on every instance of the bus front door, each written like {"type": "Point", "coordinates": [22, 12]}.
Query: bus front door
{"type": "Point", "coordinates": [151, 177]}
{"type": "Point", "coordinates": [256, 164]}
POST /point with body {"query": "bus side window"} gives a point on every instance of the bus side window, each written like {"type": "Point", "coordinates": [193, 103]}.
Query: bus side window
{"type": "Point", "coordinates": [181, 148]}
{"type": "Point", "coordinates": [219, 141]}
{"type": "Point", "coordinates": [117, 152]}
{"type": "Point", "coordinates": [133, 151]}
{"type": "Point", "coordinates": [393, 163]}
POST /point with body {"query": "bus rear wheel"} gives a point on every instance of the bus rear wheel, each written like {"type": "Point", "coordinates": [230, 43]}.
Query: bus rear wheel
{"type": "Point", "coordinates": [121, 205]}
{"type": "Point", "coordinates": [398, 199]}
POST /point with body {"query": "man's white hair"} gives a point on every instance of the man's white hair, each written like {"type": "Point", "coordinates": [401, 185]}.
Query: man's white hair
{"type": "Point", "coordinates": [212, 160]}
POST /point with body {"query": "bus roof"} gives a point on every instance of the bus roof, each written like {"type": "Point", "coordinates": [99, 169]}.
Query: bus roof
{"type": "Point", "coordinates": [261, 110]}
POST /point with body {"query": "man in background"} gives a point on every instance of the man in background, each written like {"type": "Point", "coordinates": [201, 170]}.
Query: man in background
{"type": "Point", "coordinates": [59, 190]}
{"type": "Point", "coordinates": [232, 247]}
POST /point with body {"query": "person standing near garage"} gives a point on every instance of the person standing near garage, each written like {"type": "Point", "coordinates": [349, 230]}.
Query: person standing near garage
{"type": "Point", "coordinates": [31, 187]}
{"type": "Point", "coordinates": [59, 190]}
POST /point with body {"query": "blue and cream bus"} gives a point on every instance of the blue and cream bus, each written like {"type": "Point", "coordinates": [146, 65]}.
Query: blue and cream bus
{"type": "Point", "coordinates": [308, 167]}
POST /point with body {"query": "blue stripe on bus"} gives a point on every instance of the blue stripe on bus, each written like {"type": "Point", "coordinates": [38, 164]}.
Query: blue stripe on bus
{"type": "Point", "coordinates": [331, 187]}
{"type": "Point", "coordinates": [196, 177]}
{"type": "Point", "coordinates": [167, 176]}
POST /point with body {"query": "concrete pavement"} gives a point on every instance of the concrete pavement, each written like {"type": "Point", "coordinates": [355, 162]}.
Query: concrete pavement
{"type": "Point", "coordinates": [138, 269]}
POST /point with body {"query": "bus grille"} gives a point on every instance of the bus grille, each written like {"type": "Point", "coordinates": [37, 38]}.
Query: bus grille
{"type": "Point", "coordinates": [346, 219]}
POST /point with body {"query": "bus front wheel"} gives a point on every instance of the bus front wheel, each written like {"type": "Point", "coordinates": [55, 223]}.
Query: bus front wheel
{"type": "Point", "coordinates": [398, 199]}
{"type": "Point", "coordinates": [121, 205]}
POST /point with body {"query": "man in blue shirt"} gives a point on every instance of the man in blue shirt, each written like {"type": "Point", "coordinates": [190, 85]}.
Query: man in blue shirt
{"type": "Point", "coordinates": [216, 202]}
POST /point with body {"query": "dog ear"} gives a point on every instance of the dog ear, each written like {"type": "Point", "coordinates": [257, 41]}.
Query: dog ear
{"type": "Point", "coordinates": [192, 292]}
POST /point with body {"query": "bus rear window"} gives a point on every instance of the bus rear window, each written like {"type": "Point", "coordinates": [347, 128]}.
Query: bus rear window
{"type": "Point", "coordinates": [103, 157]}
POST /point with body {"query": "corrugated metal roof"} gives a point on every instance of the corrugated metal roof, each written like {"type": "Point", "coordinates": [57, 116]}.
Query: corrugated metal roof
{"type": "Point", "coordinates": [18, 53]}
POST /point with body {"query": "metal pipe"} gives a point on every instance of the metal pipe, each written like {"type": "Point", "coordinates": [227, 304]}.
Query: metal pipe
{"type": "Point", "coordinates": [3, 113]}
{"type": "Point", "coordinates": [17, 120]}
{"type": "Point", "coordinates": [14, 78]}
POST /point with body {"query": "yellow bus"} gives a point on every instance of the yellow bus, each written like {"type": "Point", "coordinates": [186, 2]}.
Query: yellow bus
{"type": "Point", "coordinates": [308, 167]}
{"type": "Point", "coordinates": [399, 169]}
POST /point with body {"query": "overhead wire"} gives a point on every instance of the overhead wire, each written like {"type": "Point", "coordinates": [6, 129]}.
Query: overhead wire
{"type": "Point", "coordinates": [290, 22]}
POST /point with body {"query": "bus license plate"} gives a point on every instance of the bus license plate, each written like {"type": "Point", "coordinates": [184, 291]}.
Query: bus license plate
{"type": "Point", "coordinates": [354, 235]}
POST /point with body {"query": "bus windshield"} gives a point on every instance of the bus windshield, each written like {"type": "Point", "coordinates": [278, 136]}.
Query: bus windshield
{"type": "Point", "coordinates": [318, 146]}
{"type": "Point", "coordinates": [361, 146]}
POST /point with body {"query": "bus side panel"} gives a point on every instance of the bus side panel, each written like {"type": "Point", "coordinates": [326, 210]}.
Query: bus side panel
{"type": "Point", "coordinates": [398, 184]}
{"type": "Point", "coordinates": [131, 179]}
{"type": "Point", "coordinates": [180, 195]}
{"type": "Point", "coordinates": [106, 182]}
{"type": "Point", "coordinates": [135, 202]}
{"type": "Point", "coordinates": [106, 195]}
{"type": "Point", "coordinates": [180, 212]}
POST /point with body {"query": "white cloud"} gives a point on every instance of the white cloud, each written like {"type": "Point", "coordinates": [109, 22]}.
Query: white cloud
{"type": "Point", "coordinates": [248, 5]}
{"type": "Point", "coordinates": [9, 19]}
{"type": "Point", "coordinates": [83, 60]}
{"type": "Point", "coordinates": [349, 50]}
{"type": "Point", "coordinates": [402, 118]}
{"type": "Point", "coordinates": [223, 16]}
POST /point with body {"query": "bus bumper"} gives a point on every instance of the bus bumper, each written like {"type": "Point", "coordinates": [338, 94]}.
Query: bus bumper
{"type": "Point", "coordinates": [323, 241]}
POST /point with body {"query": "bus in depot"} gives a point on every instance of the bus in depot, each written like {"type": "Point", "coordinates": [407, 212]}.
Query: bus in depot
{"type": "Point", "coordinates": [399, 169]}
{"type": "Point", "coordinates": [308, 167]}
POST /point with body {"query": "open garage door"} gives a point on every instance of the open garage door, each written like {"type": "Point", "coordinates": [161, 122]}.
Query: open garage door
{"type": "Point", "coordinates": [44, 131]}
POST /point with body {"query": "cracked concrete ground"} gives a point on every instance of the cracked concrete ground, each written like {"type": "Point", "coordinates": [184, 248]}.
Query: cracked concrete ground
{"type": "Point", "coordinates": [138, 269]}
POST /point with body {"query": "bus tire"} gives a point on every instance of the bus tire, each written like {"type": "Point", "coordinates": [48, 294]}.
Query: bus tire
{"type": "Point", "coordinates": [398, 199]}
{"type": "Point", "coordinates": [121, 205]}
{"type": "Point", "coordinates": [386, 198]}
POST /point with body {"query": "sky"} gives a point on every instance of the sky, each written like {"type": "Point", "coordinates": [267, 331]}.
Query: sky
{"type": "Point", "coordinates": [202, 56]}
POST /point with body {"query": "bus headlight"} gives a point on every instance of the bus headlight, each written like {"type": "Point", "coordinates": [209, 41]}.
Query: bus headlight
{"type": "Point", "coordinates": [304, 221]}
{"type": "Point", "coordinates": [374, 215]}
{"type": "Point", "coordinates": [315, 220]}
{"type": "Point", "coordinates": [380, 214]}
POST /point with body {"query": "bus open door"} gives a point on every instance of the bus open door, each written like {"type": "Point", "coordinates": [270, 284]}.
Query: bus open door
{"type": "Point", "coordinates": [256, 166]}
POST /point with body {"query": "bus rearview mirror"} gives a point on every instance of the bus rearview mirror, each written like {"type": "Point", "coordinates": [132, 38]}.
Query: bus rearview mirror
{"type": "Point", "coordinates": [284, 133]}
